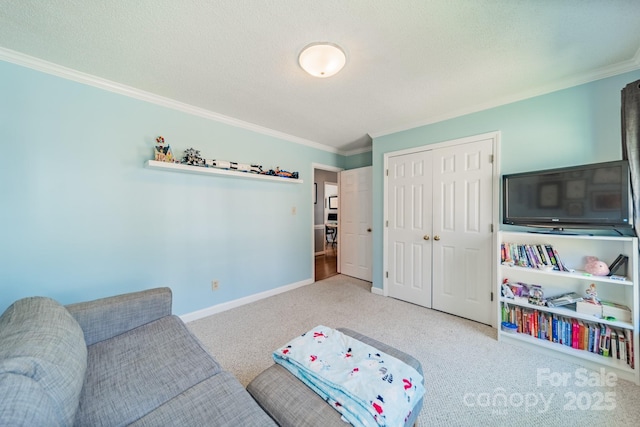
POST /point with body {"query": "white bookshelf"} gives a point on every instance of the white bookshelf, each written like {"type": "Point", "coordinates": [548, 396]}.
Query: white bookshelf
{"type": "Point", "coordinates": [201, 170]}
{"type": "Point", "coordinates": [572, 250]}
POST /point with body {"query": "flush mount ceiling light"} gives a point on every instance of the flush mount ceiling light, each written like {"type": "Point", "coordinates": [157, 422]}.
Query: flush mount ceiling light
{"type": "Point", "coordinates": [322, 59]}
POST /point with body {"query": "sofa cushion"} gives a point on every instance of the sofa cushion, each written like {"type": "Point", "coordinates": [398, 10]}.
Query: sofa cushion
{"type": "Point", "coordinates": [291, 402]}
{"type": "Point", "coordinates": [130, 375]}
{"type": "Point", "coordinates": [43, 358]}
{"type": "Point", "coordinates": [219, 401]}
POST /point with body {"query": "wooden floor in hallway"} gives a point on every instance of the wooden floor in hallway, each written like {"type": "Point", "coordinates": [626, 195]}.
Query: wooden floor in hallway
{"type": "Point", "coordinates": [327, 264]}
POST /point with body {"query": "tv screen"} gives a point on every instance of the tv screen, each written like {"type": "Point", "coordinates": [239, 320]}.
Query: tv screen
{"type": "Point", "coordinates": [588, 196]}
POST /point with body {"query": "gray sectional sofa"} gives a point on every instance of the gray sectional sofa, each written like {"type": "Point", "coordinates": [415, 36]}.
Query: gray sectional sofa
{"type": "Point", "coordinates": [123, 360]}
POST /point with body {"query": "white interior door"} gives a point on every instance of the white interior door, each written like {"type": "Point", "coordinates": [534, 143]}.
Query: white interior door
{"type": "Point", "coordinates": [354, 223]}
{"type": "Point", "coordinates": [409, 227]}
{"type": "Point", "coordinates": [462, 234]}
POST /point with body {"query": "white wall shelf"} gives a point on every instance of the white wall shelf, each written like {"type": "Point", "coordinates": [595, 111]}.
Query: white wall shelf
{"type": "Point", "coordinates": [573, 250]}
{"type": "Point", "coordinates": [201, 170]}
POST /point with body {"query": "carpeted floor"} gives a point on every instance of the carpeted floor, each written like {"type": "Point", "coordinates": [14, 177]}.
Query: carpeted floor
{"type": "Point", "coordinates": [470, 377]}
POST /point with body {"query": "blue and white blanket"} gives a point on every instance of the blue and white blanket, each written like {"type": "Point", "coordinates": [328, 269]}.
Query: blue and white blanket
{"type": "Point", "coordinates": [368, 387]}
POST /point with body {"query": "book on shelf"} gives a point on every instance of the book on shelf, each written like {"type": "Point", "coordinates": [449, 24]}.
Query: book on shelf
{"type": "Point", "coordinates": [543, 254]}
{"type": "Point", "coordinates": [630, 355]}
{"type": "Point", "coordinates": [561, 265]}
{"type": "Point", "coordinates": [622, 346]}
{"type": "Point", "coordinates": [605, 341]}
{"type": "Point", "coordinates": [618, 263]}
{"type": "Point", "coordinates": [554, 261]}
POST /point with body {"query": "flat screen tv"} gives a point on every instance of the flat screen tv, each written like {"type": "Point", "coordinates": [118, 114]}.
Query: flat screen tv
{"type": "Point", "coordinates": [588, 196]}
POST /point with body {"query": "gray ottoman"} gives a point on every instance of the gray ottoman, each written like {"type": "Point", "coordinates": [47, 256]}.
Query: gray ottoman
{"type": "Point", "coordinates": [292, 404]}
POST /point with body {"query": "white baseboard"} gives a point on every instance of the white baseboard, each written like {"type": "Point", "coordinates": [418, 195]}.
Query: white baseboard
{"type": "Point", "coordinates": [377, 291]}
{"type": "Point", "coordinates": [219, 308]}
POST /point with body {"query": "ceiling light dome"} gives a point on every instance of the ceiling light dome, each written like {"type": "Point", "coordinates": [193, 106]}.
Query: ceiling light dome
{"type": "Point", "coordinates": [322, 59]}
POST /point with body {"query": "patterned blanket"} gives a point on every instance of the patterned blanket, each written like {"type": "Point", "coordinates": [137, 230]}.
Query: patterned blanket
{"type": "Point", "coordinates": [368, 387]}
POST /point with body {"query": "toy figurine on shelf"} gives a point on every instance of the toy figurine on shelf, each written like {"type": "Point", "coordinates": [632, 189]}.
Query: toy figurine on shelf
{"type": "Point", "coordinates": [279, 172]}
{"type": "Point", "coordinates": [163, 152]}
{"type": "Point", "coordinates": [592, 294]}
{"type": "Point", "coordinates": [192, 157]}
{"type": "Point", "coordinates": [536, 295]}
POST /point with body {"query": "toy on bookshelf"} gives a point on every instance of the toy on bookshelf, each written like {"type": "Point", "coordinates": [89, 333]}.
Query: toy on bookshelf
{"type": "Point", "coordinates": [506, 291]}
{"type": "Point", "coordinates": [517, 290]}
{"type": "Point", "coordinates": [536, 295]}
{"type": "Point", "coordinates": [596, 267]}
{"type": "Point", "coordinates": [592, 293]}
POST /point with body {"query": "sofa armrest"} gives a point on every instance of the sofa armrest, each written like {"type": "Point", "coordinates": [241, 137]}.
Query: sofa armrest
{"type": "Point", "coordinates": [105, 318]}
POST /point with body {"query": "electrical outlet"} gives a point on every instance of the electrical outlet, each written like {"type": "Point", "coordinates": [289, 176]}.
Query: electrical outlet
{"type": "Point", "coordinates": [215, 285]}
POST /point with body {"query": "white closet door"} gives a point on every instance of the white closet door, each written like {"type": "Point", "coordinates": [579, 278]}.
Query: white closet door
{"type": "Point", "coordinates": [409, 229]}
{"type": "Point", "coordinates": [462, 235]}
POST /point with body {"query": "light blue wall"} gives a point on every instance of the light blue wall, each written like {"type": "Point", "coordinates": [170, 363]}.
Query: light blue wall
{"type": "Point", "coordinates": [358, 160]}
{"type": "Point", "coordinates": [568, 127]}
{"type": "Point", "coordinates": [82, 218]}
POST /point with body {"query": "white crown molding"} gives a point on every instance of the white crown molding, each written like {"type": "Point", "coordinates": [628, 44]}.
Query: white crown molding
{"type": "Point", "coordinates": [610, 71]}
{"type": "Point", "coordinates": [23, 60]}
{"type": "Point", "coordinates": [326, 167]}
{"type": "Point", "coordinates": [356, 151]}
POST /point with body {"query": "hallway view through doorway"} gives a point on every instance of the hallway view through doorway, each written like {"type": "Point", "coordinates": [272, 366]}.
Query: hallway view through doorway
{"type": "Point", "coordinates": [327, 263]}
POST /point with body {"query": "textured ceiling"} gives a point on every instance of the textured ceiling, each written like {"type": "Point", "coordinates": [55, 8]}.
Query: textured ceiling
{"type": "Point", "coordinates": [409, 62]}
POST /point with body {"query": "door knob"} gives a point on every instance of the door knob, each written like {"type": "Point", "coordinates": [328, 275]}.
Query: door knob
{"type": "Point", "coordinates": [368, 230]}
{"type": "Point", "coordinates": [426, 237]}
{"type": "Point", "coordinates": [436, 237]}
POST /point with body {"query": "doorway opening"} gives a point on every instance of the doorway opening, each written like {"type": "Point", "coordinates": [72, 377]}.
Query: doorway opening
{"type": "Point", "coordinates": [325, 222]}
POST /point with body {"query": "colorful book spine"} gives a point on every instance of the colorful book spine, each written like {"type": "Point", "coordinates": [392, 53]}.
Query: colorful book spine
{"type": "Point", "coordinates": [543, 255]}
{"type": "Point", "coordinates": [622, 346]}
{"type": "Point", "coordinates": [614, 344]}
{"type": "Point", "coordinates": [561, 265]}
{"type": "Point", "coordinates": [554, 262]}
{"type": "Point", "coordinates": [605, 341]}
{"type": "Point", "coordinates": [630, 355]}
{"type": "Point", "coordinates": [536, 260]}
{"type": "Point", "coordinates": [575, 333]}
